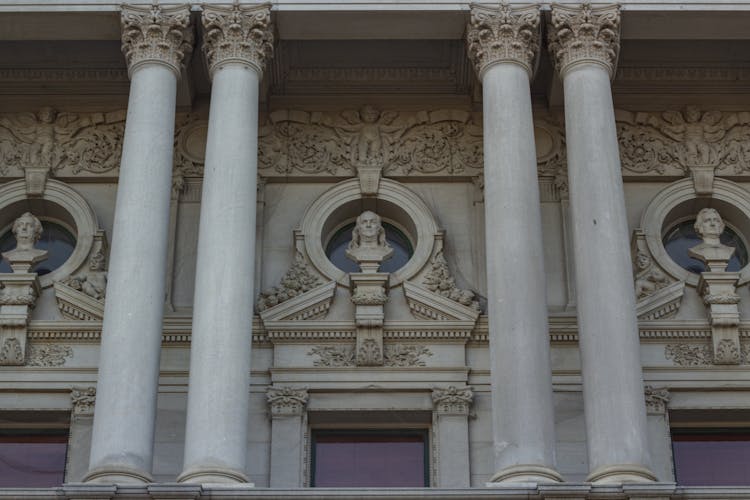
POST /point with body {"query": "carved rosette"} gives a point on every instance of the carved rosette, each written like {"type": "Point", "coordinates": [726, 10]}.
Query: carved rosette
{"type": "Point", "coordinates": [239, 34]}
{"type": "Point", "coordinates": [656, 399]}
{"type": "Point", "coordinates": [585, 34]}
{"type": "Point", "coordinates": [453, 400]}
{"type": "Point", "coordinates": [83, 399]}
{"type": "Point", "coordinates": [503, 34]}
{"type": "Point", "coordinates": [286, 401]}
{"type": "Point", "coordinates": [157, 35]}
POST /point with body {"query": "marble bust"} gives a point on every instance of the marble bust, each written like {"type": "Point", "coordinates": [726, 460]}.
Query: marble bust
{"type": "Point", "coordinates": [368, 247]}
{"type": "Point", "coordinates": [709, 226]}
{"type": "Point", "coordinates": [27, 229]}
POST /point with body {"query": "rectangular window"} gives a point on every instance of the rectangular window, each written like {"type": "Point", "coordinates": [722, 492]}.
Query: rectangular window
{"type": "Point", "coordinates": [32, 458]}
{"type": "Point", "coordinates": [711, 457]}
{"type": "Point", "coordinates": [370, 458]}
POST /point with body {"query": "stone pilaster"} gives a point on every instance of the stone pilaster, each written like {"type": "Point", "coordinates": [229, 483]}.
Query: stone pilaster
{"type": "Point", "coordinates": [584, 43]}
{"type": "Point", "coordinates": [585, 35]}
{"type": "Point", "coordinates": [237, 43]}
{"type": "Point", "coordinates": [503, 43]}
{"type": "Point", "coordinates": [452, 406]}
{"type": "Point", "coordinates": [287, 406]}
{"type": "Point", "coordinates": [155, 41]}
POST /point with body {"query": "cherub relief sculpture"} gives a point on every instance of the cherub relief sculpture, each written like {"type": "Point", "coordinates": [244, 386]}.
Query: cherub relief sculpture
{"type": "Point", "coordinates": [697, 132]}
{"type": "Point", "coordinates": [368, 247]}
{"type": "Point", "coordinates": [27, 229]}
{"type": "Point", "coordinates": [709, 225]}
{"type": "Point", "coordinates": [649, 278]}
{"type": "Point", "coordinates": [93, 282]}
{"type": "Point", "coordinates": [370, 134]}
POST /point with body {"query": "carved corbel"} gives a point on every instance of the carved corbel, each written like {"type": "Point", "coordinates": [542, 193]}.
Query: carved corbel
{"type": "Point", "coordinates": [287, 401]}
{"type": "Point", "coordinates": [657, 400]}
{"type": "Point", "coordinates": [657, 295]}
{"type": "Point", "coordinates": [453, 400]}
{"type": "Point", "coordinates": [83, 399]}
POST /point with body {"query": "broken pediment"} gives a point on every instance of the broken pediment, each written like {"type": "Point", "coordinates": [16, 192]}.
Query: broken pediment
{"type": "Point", "coordinates": [428, 305]}
{"type": "Point", "coordinates": [77, 305]}
{"type": "Point", "coordinates": [312, 304]}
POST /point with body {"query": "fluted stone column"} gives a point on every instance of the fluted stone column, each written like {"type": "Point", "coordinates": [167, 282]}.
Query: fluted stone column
{"type": "Point", "coordinates": [154, 41]}
{"type": "Point", "coordinates": [503, 43]}
{"type": "Point", "coordinates": [237, 43]}
{"type": "Point", "coordinates": [584, 42]}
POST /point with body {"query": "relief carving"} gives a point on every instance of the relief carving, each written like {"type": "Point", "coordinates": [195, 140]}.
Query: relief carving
{"type": "Point", "coordinates": [11, 352]}
{"type": "Point", "coordinates": [83, 399]}
{"type": "Point", "coordinates": [440, 280]}
{"type": "Point", "coordinates": [299, 279]}
{"type": "Point", "coordinates": [55, 142]}
{"type": "Point", "coordinates": [657, 295]}
{"type": "Point", "coordinates": [286, 401]}
{"type": "Point", "coordinates": [92, 282]}
{"type": "Point", "coordinates": [369, 353]}
{"type": "Point", "coordinates": [333, 356]}
{"type": "Point", "coordinates": [48, 355]}
{"type": "Point", "coordinates": [399, 355]}
{"type": "Point", "coordinates": [453, 400]}
{"type": "Point", "coordinates": [656, 399]}
{"type": "Point", "coordinates": [394, 355]}
{"type": "Point", "coordinates": [689, 354]}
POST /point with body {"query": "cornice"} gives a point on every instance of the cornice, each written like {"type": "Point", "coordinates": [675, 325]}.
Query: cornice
{"type": "Point", "coordinates": [237, 34]}
{"type": "Point", "coordinates": [503, 34]}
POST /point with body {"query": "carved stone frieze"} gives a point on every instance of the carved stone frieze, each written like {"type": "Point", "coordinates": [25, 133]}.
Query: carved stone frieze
{"type": "Point", "coordinates": [687, 142]}
{"type": "Point", "coordinates": [48, 355]}
{"type": "Point", "coordinates": [584, 33]}
{"type": "Point", "coordinates": [689, 354]}
{"type": "Point", "coordinates": [49, 142]}
{"type": "Point", "coordinates": [503, 34]}
{"type": "Point", "coordinates": [440, 280]}
{"type": "Point", "coordinates": [299, 279]}
{"type": "Point", "coordinates": [286, 401]}
{"type": "Point", "coordinates": [426, 142]}
{"type": "Point", "coordinates": [156, 34]}
{"type": "Point", "coordinates": [656, 399]}
{"type": "Point", "coordinates": [237, 33]}
{"type": "Point", "coordinates": [83, 399]}
{"type": "Point", "coordinates": [453, 400]}
{"type": "Point", "coordinates": [394, 355]}
{"type": "Point", "coordinates": [401, 355]}
{"type": "Point", "coordinates": [333, 356]}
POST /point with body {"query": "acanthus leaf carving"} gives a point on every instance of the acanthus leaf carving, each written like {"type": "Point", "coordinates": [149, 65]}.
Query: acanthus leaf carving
{"type": "Point", "coordinates": [369, 353]}
{"type": "Point", "coordinates": [20, 296]}
{"type": "Point", "coordinates": [440, 280]}
{"type": "Point", "coordinates": [656, 399]}
{"type": "Point", "coordinates": [11, 352]}
{"type": "Point", "coordinates": [689, 354]}
{"type": "Point", "coordinates": [48, 355]}
{"type": "Point", "coordinates": [83, 399]}
{"type": "Point", "coordinates": [453, 400]}
{"type": "Point", "coordinates": [299, 279]}
{"type": "Point", "coordinates": [333, 356]}
{"type": "Point", "coordinates": [286, 401]}
{"type": "Point", "coordinates": [400, 355]}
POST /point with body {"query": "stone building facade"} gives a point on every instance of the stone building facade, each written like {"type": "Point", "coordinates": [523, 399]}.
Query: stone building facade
{"type": "Point", "coordinates": [517, 232]}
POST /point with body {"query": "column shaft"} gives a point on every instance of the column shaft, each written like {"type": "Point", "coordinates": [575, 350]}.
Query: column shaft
{"type": "Point", "coordinates": [584, 42]}
{"type": "Point", "coordinates": [503, 44]}
{"type": "Point", "coordinates": [122, 440]}
{"type": "Point", "coordinates": [218, 401]}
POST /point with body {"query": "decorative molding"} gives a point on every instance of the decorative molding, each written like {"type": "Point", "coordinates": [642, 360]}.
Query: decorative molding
{"type": "Point", "coordinates": [83, 399]}
{"type": "Point", "coordinates": [439, 280]}
{"type": "Point", "coordinates": [157, 35]}
{"type": "Point", "coordinates": [503, 34]}
{"type": "Point", "coordinates": [286, 401]}
{"type": "Point", "coordinates": [300, 278]}
{"type": "Point", "coordinates": [656, 400]}
{"type": "Point", "coordinates": [427, 305]}
{"type": "Point", "coordinates": [333, 356]}
{"type": "Point", "coordinates": [394, 355]}
{"type": "Point", "coordinates": [370, 352]}
{"type": "Point", "coordinates": [401, 355]}
{"type": "Point", "coordinates": [584, 34]}
{"type": "Point", "coordinates": [240, 34]}
{"type": "Point", "coordinates": [11, 352]}
{"type": "Point", "coordinates": [453, 400]}
{"type": "Point", "coordinates": [48, 355]}
{"type": "Point", "coordinates": [689, 354]}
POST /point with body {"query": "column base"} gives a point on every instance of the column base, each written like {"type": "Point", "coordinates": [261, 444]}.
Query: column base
{"type": "Point", "coordinates": [117, 475]}
{"type": "Point", "coordinates": [621, 473]}
{"type": "Point", "coordinates": [216, 475]}
{"type": "Point", "coordinates": [526, 473]}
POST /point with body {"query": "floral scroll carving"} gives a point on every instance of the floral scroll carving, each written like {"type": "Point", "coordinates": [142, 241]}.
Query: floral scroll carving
{"type": "Point", "coordinates": [299, 279]}
{"type": "Point", "coordinates": [440, 280]}
{"type": "Point", "coordinates": [394, 355]}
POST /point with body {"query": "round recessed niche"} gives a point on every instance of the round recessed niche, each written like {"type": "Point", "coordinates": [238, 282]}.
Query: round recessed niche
{"type": "Point", "coordinates": [667, 224]}
{"type": "Point", "coordinates": [327, 225]}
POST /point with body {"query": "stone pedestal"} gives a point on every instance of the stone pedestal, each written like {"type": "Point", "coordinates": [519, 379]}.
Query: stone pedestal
{"type": "Point", "coordinates": [155, 42]}
{"type": "Point", "coordinates": [584, 42]}
{"type": "Point", "coordinates": [369, 296]}
{"type": "Point", "coordinates": [503, 44]}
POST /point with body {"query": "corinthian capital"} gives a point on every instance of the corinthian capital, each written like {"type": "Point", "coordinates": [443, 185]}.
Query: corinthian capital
{"type": "Point", "coordinates": [585, 34]}
{"type": "Point", "coordinates": [155, 34]}
{"type": "Point", "coordinates": [238, 33]}
{"type": "Point", "coordinates": [503, 34]}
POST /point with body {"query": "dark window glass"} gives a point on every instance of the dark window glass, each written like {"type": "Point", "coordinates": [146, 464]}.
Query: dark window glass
{"type": "Point", "coordinates": [712, 458]}
{"type": "Point", "coordinates": [681, 237]}
{"type": "Point", "coordinates": [370, 459]}
{"type": "Point", "coordinates": [402, 250]}
{"type": "Point", "coordinates": [55, 239]}
{"type": "Point", "coordinates": [32, 460]}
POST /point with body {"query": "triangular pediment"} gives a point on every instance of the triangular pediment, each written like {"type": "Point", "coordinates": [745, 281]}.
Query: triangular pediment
{"type": "Point", "coordinates": [428, 305]}
{"type": "Point", "coordinates": [664, 303]}
{"type": "Point", "coordinates": [313, 304]}
{"type": "Point", "coordinates": [76, 305]}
